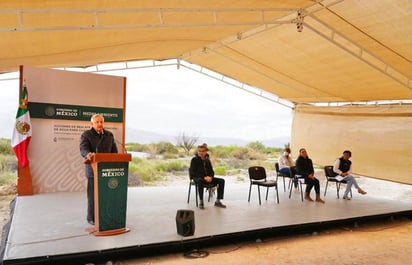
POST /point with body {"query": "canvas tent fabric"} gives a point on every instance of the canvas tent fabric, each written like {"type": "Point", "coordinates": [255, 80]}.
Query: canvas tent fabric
{"type": "Point", "coordinates": [379, 138]}
{"type": "Point", "coordinates": [303, 51]}
{"type": "Point", "coordinates": [348, 50]}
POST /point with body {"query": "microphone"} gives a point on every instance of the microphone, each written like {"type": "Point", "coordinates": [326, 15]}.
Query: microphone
{"type": "Point", "coordinates": [121, 144]}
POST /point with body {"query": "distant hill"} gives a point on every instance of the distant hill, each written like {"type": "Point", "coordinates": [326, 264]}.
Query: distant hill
{"type": "Point", "coordinates": [146, 137]}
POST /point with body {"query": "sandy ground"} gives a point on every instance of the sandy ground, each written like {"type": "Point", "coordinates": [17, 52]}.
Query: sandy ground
{"type": "Point", "coordinates": [383, 242]}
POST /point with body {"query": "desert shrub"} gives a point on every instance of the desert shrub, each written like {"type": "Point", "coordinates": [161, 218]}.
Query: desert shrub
{"type": "Point", "coordinates": [8, 178]}
{"type": "Point", "coordinates": [8, 162]}
{"type": "Point", "coordinates": [177, 165]}
{"type": "Point", "coordinates": [273, 151]}
{"type": "Point", "coordinates": [149, 170]}
{"type": "Point", "coordinates": [166, 147]}
{"type": "Point", "coordinates": [133, 178]}
{"type": "Point", "coordinates": [148, 173]}
{"type": "Point", "coordinates": [220, 168]}
{"type": "Point", "coordinates": [227, 160]}
{"type": "Point", "coordinates": [169, 155]}
{"type": "Point", "coordinates": [269, 166]}
{"type": "Point", "coordinates": [146, 170]}
{"type": "Point", "coordinates": [237, 163]}
{"type": "Point", "coordinates": [135, 147]}
{"type": "Point", "coordinates": [257, 146]}
{"type": "Point", "coordinates": [137, 160]}
{"type": "Point", "coordinates": [223, 151]}
{"type": "Point", "coordinates": [5, 147]}
{"type": "Point", "coordinates": [163, 166]}
{"type": "Point", "coordinates": [254, 154]}
{"type": "Point", "coordinates": [160, 166]}
{"type": "Point", "coordinates": [240, 153]}
{"type": "Point", "coordinates": [151, 149]}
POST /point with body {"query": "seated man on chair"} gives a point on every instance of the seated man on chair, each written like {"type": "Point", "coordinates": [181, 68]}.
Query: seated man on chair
{"type": "Point", "coordinates": [202, 171]}
{"type": "Point", "coordinates": [342, 168]}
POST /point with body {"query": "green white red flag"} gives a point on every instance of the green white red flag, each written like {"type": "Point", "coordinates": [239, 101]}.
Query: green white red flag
{"type": "Point", "coordinates": [22, 130]}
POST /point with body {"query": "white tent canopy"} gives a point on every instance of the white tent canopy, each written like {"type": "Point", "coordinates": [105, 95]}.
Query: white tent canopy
{"type": "Point", "coordinates": [348, 50]}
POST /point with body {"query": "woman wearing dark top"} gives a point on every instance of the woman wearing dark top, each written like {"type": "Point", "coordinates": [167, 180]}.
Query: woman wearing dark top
{"type": "Point", "coordinates": [304, 167]}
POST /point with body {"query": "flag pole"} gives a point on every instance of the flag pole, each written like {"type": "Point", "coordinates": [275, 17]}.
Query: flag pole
{"type": "Point", "coordinates": [24, 179]}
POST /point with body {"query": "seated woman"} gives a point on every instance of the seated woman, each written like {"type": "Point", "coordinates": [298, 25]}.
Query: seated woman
{"type": "Point", "coordinates": [286, 165]}
{"type": "Point", "coordinates": [304, 167]}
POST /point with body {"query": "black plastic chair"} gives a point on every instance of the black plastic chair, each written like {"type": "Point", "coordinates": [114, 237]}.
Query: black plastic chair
{"type": "Point", "coordinates": [209, 188]}
{"type": "Point", "coordinates": [330, 177]}
{"type": "Point", "coordinates": [278, 174]}
{"type": "Point", "coordinates": [257, 176]}
{"type": "Point", "coordinates": [300, 180]}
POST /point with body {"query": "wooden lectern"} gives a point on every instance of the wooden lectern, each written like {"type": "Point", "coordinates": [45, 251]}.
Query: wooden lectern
{"type": "Point", "coordinates": [111, 172]}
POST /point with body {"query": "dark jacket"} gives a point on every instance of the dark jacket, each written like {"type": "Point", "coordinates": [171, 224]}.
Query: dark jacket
{"type": "Point", "coordinates": [91, 141]}
{"type": "Point", "coordinates": [304, 166]}
{"type": "Point", "coordinates": [200, 168]}
{"type": "Point", "coordinates": [344, 165]}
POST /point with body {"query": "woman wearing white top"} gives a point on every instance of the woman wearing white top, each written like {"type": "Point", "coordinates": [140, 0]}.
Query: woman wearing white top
{"type": "Point", "coordinates": [287, 165]}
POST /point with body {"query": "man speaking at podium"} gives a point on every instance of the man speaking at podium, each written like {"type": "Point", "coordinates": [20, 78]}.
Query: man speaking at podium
{"type": "Point", "coordinates": [94, 140]}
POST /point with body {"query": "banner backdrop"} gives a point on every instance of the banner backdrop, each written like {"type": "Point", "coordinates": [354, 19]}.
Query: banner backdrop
{"type": "Point", "coordinates": [61, 105]}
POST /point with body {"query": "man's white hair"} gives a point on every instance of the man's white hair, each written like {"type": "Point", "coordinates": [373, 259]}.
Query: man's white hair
{"type": "Point", "coordinates": [95, 116]}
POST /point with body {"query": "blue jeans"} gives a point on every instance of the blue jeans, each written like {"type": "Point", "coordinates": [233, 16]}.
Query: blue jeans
{"type": "Point", "coordinates": [350, 180]}
{"type": "Point", "coordinates": [286, 171]}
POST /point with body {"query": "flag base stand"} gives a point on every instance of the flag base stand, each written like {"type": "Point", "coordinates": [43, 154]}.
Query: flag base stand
{"type": "Point", "coordinates": [96, 232]}
{"type": "Point", "coordinates": [24, 181]}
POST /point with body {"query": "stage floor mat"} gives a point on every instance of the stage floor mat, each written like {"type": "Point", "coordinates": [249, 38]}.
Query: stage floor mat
{"type": "Point", "coordinates": [54, 224]}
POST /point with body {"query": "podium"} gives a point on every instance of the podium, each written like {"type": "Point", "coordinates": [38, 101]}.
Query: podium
{"type": "Point", "coordinates": [111, 172]}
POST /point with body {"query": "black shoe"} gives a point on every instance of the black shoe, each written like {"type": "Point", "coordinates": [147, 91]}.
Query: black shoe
{"type": "Point", "coordinates": [201, 206]}
{"type": "Point", "coordinates": [220, 205]}
{"type": "Point", "coordinates": [90, 222]}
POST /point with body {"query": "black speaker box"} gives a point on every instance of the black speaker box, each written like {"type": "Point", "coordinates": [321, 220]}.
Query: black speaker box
{"type": "Point", "coordinates": [185, 222]}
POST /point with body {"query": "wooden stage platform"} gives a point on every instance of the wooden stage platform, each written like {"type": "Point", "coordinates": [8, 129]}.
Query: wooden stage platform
{"type": "Point", "coordinates": [50, 228]}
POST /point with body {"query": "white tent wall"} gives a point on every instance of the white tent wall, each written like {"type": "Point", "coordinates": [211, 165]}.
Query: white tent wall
{"type": "Point", "coordinates": [379, 137]}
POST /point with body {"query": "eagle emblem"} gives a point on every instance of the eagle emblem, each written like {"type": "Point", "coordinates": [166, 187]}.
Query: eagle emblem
{"type": "Point", "coordinates": [113, 183]}
{"type": "Point", "coordinates": [22, 127]}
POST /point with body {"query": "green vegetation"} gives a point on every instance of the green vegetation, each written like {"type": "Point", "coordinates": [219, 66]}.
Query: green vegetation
{"type": "Point", "coordinates": [8, 166]}
{"type": "Point", "coordinates": [5, 147]}
{"type": "Point", "coordinates": [165, 159]}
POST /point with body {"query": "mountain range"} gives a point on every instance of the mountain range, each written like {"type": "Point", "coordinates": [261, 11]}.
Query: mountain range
{"type": "Point", "coordinates": [147, 137]}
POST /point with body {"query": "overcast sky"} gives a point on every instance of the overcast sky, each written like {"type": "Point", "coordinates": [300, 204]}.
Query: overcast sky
{"type": "Point", "coordinates": [170, 101]}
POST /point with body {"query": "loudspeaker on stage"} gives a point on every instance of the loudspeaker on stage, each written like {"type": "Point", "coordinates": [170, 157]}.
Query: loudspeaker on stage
{"type": "Point", "coordinates": [185, 222]}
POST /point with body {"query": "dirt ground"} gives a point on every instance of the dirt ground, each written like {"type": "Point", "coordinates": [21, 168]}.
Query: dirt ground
{"type": "Point", "coordinates": [383, 242]}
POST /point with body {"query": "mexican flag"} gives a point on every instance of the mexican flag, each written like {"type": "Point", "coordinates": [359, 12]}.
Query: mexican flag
{"type": "Point", "coordinates": [22, 130]}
